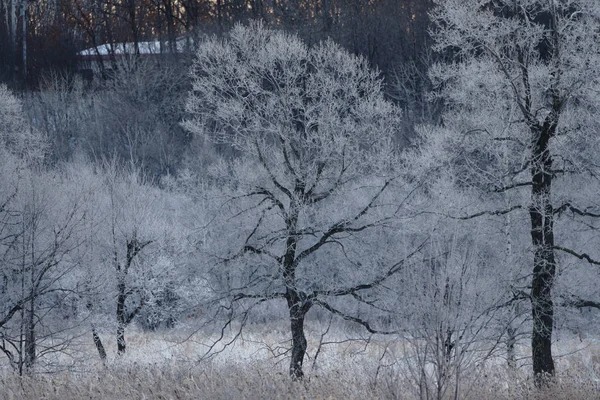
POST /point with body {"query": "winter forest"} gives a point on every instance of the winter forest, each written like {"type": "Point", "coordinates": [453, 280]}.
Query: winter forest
{"type": "Point", "coordinates": [270, 199]}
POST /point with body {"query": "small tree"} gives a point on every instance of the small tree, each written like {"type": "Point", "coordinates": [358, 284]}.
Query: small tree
{"type": "Point", "coordinates": [133, 246]}
{"type": "Point", "coordinates": [452, 311]}
{"type": "Point", "coordinates": [33, 236]}
{"type": "Point", "coordinates": [307, 190]}
{"type": "Point", "coordinates": [17, 137]}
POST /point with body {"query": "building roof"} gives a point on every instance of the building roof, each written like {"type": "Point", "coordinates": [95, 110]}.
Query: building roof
{"type": "Point", "coordinates": [128, 48]}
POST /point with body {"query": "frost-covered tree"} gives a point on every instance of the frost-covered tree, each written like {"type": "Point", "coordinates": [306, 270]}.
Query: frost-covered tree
{"type": "Point", "coordinates": [132, 250]}
{"type": "Point", "coordinates": [40, 217]}
{"type": "Point", "coordinates": [41, 247]}
{"type": "Point", "coordinates": [521, 92]}
{"type": "Point", "coordinates": [17, 137]}
{"type": "Point", "coordinates": [306, 194]}
{"type": "Point", "coordinates": [41, 256]}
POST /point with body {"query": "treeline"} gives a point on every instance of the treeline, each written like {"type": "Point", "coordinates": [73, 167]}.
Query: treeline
{"type": "Point", "coordinates": [43, 36]}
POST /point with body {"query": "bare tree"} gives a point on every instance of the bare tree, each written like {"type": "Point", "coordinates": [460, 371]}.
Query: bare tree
{"type": "Point", "coordinates": [40, 218]}
{"type": "Point", "coordinates": [520, 97]}
{"type": "Point", "coordinates": [453, 313]}
{"type": "Point", "coordinates": [133, 246]}
{"type": "Point", "coordinates": [17, 136]}
{"type": "Point", "coordinates": [307, 191]}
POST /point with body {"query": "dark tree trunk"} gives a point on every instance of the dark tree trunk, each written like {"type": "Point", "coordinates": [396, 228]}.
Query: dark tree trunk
{"type": "Point", "coordinates": [121, 319]}
{"type": "Point", "coordinates": [298, 309]}
{"type": "Point", "coordinates": [123, 316]}
{"type": "Point", "coordinates": [30, 344]}
{"type": "Point", "coordinates": [170, 19]}
{"type": "Point", "coordinates": [297, 301]}
{"type": "Point", "coordinates": [98, 344]}
{"type": "Point", "coordinates": [544, 264]}
{"type": "Point", "coordinates": [134, 26]}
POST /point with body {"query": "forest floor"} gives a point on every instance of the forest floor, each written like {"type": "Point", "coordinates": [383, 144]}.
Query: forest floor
{"type": "Point", "coordinates": [168, 365]}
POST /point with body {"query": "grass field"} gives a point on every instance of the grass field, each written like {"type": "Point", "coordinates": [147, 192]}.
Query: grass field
{"type": "Point", "coordinates": [169, 366]}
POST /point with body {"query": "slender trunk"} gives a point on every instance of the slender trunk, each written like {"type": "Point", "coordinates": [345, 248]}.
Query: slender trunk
{"type": "Point", "coordinates": [12, 63]}
{"type": "Point", "coordinates": [511, 332]}
{"type": "Point", "coordinates": [544, 264]}
{"type": "Point", "coordinates": [95, 336]}
{"type": "Point", "coordinates": [98, 344]}
{"type": "Point", "coordinates": [24, 39]}
{"type": "Point", "coordinates": [511, 340]}
{"type": "Point", "coordinates": [13, 24]}
{"type": "Point", "coordinates": [170, 19]}
{"type": "Point", "coordinates": [123, 316]}
{"type": "Point", "coordinates": [21, 343]}
{"type": "Point", "coordinates": [219, 5]}
{"type": "Point", "coordinates": [134, 26]}
{"type": "Point", "coordinates": [30, 347]}
{"type": "Point", "coordinates": [21, 349]}
{"type": "Point", "coordinates": [121, 319]}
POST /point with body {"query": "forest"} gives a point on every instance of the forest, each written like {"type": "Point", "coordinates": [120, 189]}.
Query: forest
{"type": "Point", "coordinates": [299, 199]}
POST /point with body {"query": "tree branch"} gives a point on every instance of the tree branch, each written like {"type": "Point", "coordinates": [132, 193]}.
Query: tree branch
{"type": "Point", "coordinates": [377, 281]}
{"type": "Point", "coordinates": [342, 226]}
{"type": "Point", "coordinates": [513, 186]}
{"type": "Point", "coordinates": [582, 256]}
{"type": "Point", "coordinates": [135, 312]}
{"type": "Point", "coordinates": [252, 249]}
{"type": "Point", "coordinates": [356, 320]}
{"type": "Point", "coordinates": [271, 175]}
{"type": "Point", "coordinates": [577, 302]}
{"type": "Point", "coordinates": [496, 212]}
{"type": "Point", "coordinates": [575, 210]}
{"type": "Point", "coordinates": [240, 296]}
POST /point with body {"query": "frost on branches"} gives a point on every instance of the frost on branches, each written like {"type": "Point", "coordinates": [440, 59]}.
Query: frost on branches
{"type": "Point", "coordinates": [307, 194]}
{"type": "Point", "coordinates": [16, 135]}
{"type": "Point", "coordinates": [521, 92]}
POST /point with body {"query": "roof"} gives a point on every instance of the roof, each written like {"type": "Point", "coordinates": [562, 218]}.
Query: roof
{"type": "Point", "coordinates": [128, 48]}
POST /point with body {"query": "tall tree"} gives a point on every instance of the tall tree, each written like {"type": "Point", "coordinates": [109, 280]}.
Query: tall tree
{"type": "Point", "coordinates": [40, 218]}
{"type": "Point", "coordinates": [308, 187]}
{"type": "Point", "coordinates": [521, 93]}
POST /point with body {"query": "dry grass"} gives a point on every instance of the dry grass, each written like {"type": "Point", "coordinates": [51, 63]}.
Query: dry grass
{"type": "Point", "coordinates": [256, 382]}
{"type": "Point", "coordinates": [164, 366]}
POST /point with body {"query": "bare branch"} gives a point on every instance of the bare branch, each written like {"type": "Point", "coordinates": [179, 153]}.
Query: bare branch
{"type": "Point", "coordinates": [513, 186]}
{"type": "Point", "coordinates": [395, 268]}
{"type": "Point", "coordinates": [582, 256]}
{"type": "Point", "coordinates": [491, 213]}
{"type": "Point", "coordinates": [577, 302]}
{"type": "Point", "coordinates": [356, 320]}
{"type": "Point", "coordinates": [575, 210]}
{"type": "Point", "coordinates": [342, 226]}
{"type": "Point", "coordinates": [270, 173]}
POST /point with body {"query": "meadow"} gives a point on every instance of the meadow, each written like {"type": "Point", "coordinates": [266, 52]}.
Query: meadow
{"type": "Point", "coordinates": [167, 365]}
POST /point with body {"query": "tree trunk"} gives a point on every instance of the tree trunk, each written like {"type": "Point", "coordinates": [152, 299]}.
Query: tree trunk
{"type": "Point", "coordinates": [30, 345]}
{"type": "Point", "coordinates": [24, 41]}
{"type": "Point", "coordinates": [170, 19]}
{"type": "Point", "coordinates": [298, 304]}
{"type": "Point", "coordinates": [511, 340]}
{"type": "Point", "coordinates": [98, 344]}
{"type": "Point", "coordinates": [11, 60]}
{"type": "Point", "coordinates": [134, 26]}
{"type": "Point", "coordinates": [297, 308]}
{"type": "Point", "coordinates": [544, 264]}
{"type": "Point", "coordinates": [121, 319]}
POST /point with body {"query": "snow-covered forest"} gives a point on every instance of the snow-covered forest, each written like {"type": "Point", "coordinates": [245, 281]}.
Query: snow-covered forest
{"type": "Point", "coordinates": [303, 199]}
